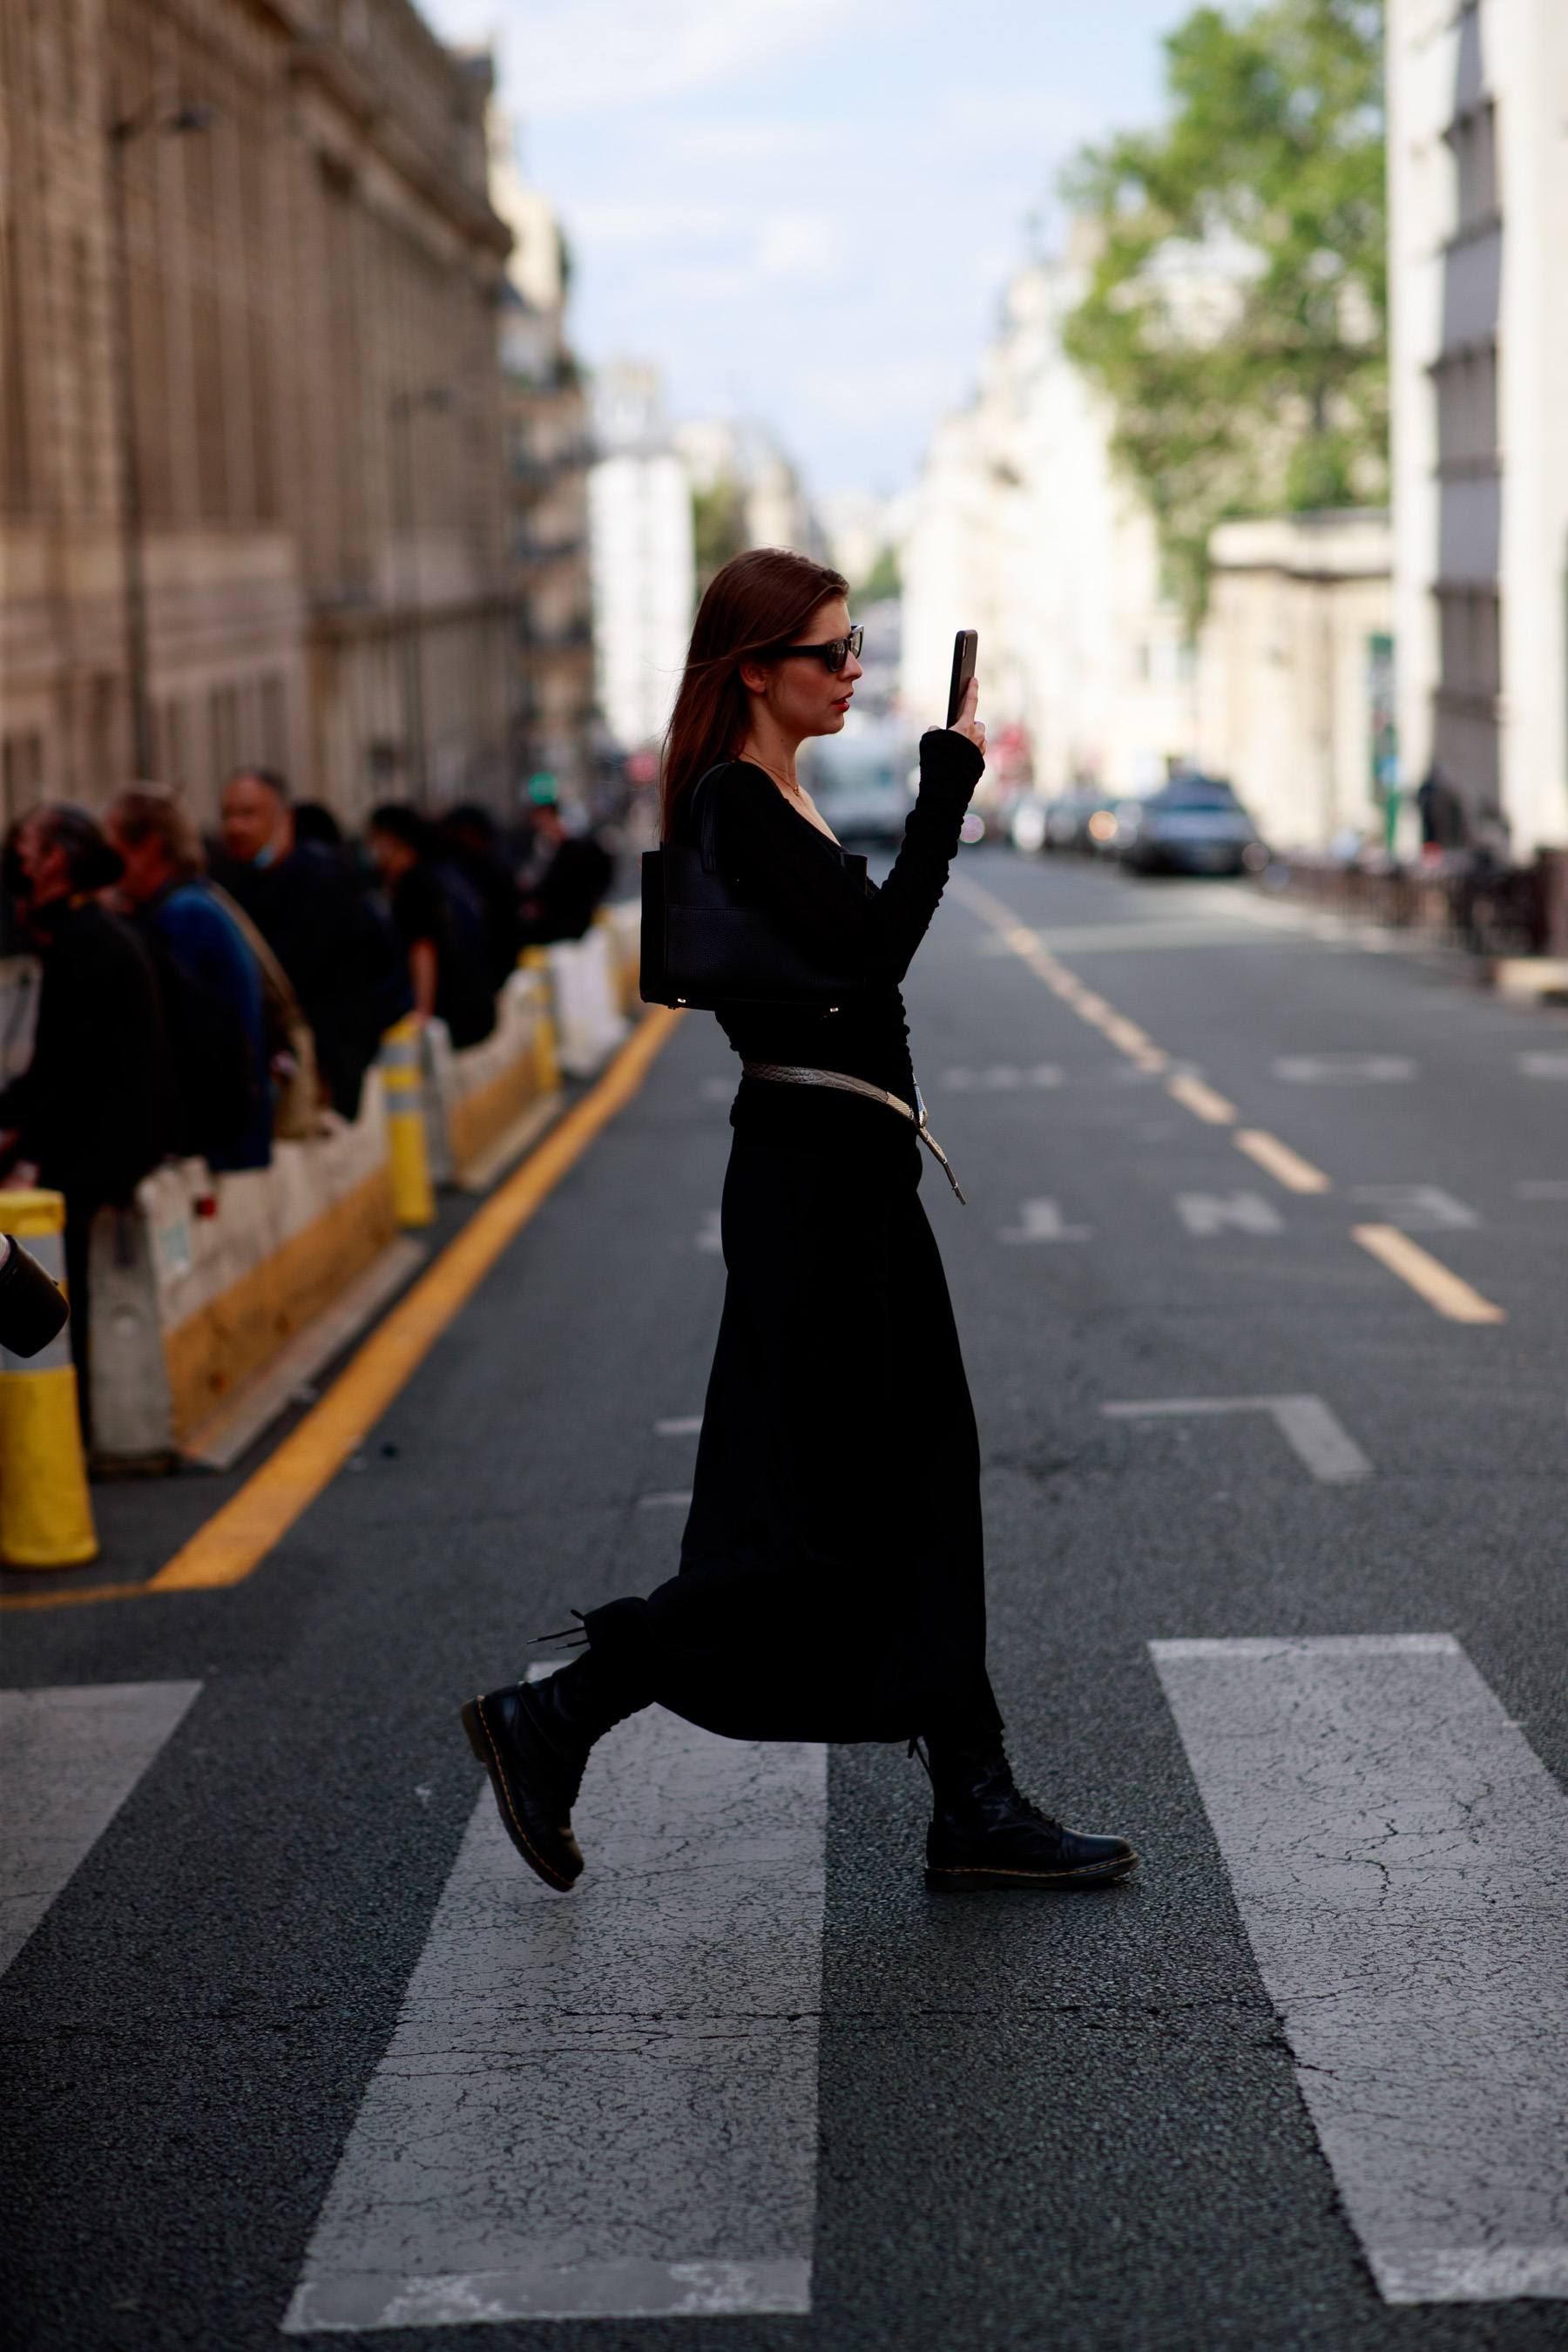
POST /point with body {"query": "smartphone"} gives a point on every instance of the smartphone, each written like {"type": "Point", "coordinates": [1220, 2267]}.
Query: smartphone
{"type": "Point", "coordinates": [963, 651]}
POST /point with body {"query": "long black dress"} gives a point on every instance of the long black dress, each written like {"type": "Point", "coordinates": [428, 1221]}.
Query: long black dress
{"type": "Point", "coordinates": [831, 1584]}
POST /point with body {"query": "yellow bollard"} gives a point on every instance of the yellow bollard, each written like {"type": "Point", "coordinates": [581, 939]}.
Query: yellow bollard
{"type": "Point", "coordinates": [413, 1201]}
{"type": "Point", "coordinates": [547, 1064]}
{"type": "Point", "coordinates": [46, 1515]}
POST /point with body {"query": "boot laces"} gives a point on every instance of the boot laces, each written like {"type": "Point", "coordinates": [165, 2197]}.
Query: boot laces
{"type": "Point", "coordinates": [1003, 1781]}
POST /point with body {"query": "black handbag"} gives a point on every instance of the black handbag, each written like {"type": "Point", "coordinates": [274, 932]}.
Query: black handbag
{"type": "Point", "coordinates": [705, 944]}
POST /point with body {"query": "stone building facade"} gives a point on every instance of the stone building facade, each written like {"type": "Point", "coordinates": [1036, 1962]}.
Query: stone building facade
{"type": "Point", "coordinates": [544, 416]}
{"type": "Point", "coordinates": [1025, 530]}
{"type": "Point", "coordinates": [309, 298]}
{"type": "Point", "coordinates": [1477, 167]}
{"type": "Point", "coordinates": [1295, 674]}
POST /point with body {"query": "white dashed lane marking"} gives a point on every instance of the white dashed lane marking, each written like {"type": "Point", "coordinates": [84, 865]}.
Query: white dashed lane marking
{"type": "Point", "coordinates": [1318, 1437]}
{"type": "Point", "coordinates": [686, 1425]}
{"type": "Point", "coordinates": [712, 1236]}
{"type": "Point", "coordinates": [601, 2104]}
{"type": "Point", "coordinates": [68, 1759]}
{"type": "Point", "coordinates": [1542, 1065]}
{"type": "Point", "coordinates": [1343, 1069]}
{"type": "Point", "coordinates": [1208, 1213]}
{"type": "Point", "coordinates": [1041, 1220]}
{"type": "Point", "coordinates": [666, 1499]}
{"type": "Point", "coordinates": [1416, 1208]}
{"type": "Point", "coordinates": [1400, 1858]}
{"type": "Point", "coordinates": [1003, 1078]}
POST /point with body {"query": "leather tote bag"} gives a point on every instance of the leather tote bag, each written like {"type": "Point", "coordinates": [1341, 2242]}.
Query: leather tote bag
{"type": "Point", "coordinates": [705, 944]}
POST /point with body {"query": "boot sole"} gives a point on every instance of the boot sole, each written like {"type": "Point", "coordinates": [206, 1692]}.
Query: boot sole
{"type": "Point", "coordinates": [471, 1717]}
{"type": "Point", "coordinates": [959, 1881]}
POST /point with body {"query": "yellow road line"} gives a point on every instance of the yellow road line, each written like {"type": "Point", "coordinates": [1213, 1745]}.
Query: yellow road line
{"type": "Point", "coordinates": [1124, 1035]}
{"type": "Point", "coordinates": [240, 1534]}
{"type": "Point", "coordinates": [74, 1593]}
{"type": "Point", "coordinates": [1448, 1292]}
{"type": "Point", "coordinates": [1288, 1167]}
{"type": "Point", "coordinates": [1202, 1100]}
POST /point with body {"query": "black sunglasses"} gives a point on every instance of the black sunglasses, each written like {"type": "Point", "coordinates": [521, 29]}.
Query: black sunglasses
{"type": "Point", "coordinates": [839, 650]}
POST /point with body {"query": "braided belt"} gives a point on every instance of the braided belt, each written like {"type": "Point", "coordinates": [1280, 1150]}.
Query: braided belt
{"type": "Point", "coordinates": [784, 1075]}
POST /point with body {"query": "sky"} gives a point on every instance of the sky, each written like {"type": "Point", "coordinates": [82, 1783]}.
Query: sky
{"type": "Point", "coordinates": [804, 211]}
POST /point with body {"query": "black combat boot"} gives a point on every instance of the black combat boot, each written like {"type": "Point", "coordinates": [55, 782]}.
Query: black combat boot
{"type": "Point", "coordinates": [533, 1738]}
{"type": "Point", "coordinates": [985, 1835]}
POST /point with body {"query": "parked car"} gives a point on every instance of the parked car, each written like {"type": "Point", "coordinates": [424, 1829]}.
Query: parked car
{"type": "Point", "coordinates": [860, 780]}
{"type": "Point", "coordinates": [1194, 824]}
{"type": "Point", "coordinates": [1068, 819]}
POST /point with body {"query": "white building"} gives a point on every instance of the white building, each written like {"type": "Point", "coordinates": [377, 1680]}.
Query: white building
{"type": "Point", "coordinates": [1295, 674]}
{"type": "Point", "coordinates": [1478, 233]}
{"type": "Point", "coordinates": [744, 457]}
{"type": "Point", "coordinates": [1023, 530]}
{"type": "Point", "coordinates": [643, 571]}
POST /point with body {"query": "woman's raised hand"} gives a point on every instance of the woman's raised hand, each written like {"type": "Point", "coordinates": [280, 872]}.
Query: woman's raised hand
{"type": "Point", "coordinates": [966, 722]}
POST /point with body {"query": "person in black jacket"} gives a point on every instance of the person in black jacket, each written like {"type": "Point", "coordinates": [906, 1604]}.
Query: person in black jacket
{"type": "Point", "coordinates": [832, 1581]}
{"type": "Point", "coordinates": [93, 1111]}
{"type": "Point", "coordinates": [440, 923]}
{"type": "Point", "coordinates": [305, 903]}
{"type": "Point", "coordinates": [560, 905]}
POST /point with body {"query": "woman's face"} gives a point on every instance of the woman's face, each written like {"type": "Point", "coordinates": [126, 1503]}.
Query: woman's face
{"type": "Point", "coordinates": [801, 692]}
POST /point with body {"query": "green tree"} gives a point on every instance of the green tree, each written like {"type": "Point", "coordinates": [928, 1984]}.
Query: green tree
{"type": "Point", "coordinates": [718, 528]}
{"type": "Point", "coordinates": [1237, 303]}
{"type": "Point", "coordinates": [881, 581]}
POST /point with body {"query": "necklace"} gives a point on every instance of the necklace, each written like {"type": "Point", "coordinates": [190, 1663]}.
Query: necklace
{"type": "Point", "coordinates": [785, 783]}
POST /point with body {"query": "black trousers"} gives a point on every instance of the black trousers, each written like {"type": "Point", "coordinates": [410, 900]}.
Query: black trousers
{"type": "Point", "coordinates": [832, 1572]}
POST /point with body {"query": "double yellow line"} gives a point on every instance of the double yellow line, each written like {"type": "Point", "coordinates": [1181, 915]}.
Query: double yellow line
{"type": "Point", "coordinates": [1443, 1289]}
{"type": "Point", "coordinates": [240, 1534]}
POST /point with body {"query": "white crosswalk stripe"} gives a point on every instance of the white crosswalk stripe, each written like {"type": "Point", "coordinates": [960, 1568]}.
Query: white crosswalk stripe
{"type": "Point", "coordinates": [603, 2103]}
{"type": "Point", "coordinates": [1400, 1858]}
{"type": "Point", "coordinates": [68, 1758]}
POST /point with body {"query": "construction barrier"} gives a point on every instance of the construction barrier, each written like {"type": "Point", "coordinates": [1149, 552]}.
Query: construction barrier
{"type": "Point", "coordinates": [623, 922]}
{"type": "Point", "coordinates": [482, 1095]}
{"type": "Point", "coordinates": [45, 1516]}
{"type": "Point", "coordinates": [214, 1297]}
{"type": "Point", "coordinates": [402, 1076]}
{"type": "Point", "coordinates": [585, 984]}
{"type": "Point", "coordinates": [199, 1288]}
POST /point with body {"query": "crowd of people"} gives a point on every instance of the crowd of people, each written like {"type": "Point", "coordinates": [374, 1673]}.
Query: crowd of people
{"type": "Point", "coordinates": [212, 997]}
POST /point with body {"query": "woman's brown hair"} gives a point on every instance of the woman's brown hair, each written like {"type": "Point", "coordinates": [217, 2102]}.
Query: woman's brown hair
{"type": "Point", "coordinates": [753, 608]}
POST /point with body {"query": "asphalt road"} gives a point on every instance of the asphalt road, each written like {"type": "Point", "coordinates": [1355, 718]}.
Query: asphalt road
{"type": "Point", "coordinates": [1063, 2122]}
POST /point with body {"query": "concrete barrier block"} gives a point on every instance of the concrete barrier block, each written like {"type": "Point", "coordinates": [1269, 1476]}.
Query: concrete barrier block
{"type": "Point", "coordinates": [623, 922]}
{"type": "Point", "coordinates": [226, 1269]}
{"type": "Point", "coordinates": [589, 1019]}
{"type": "Point", "coordinates": [488, 1086]}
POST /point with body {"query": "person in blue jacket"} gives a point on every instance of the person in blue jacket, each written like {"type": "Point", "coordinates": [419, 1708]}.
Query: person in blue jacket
{"type": "Point", "coordinates": [164, 889]}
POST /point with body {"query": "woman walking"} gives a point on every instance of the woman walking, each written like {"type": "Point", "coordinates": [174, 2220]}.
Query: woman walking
{"type": "Point", "coordinates": [831, 1584]}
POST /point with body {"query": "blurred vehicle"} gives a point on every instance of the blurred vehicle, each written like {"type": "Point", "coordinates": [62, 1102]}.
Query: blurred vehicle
{"type": "Point", "coordinates": [1070, 817]}
{"type": "Point", "coordinates": [860, 780]}
{"type": "Point", "coordinates": [1194, 824]}
{"type": "Point", "coordinates": [1028, 824]}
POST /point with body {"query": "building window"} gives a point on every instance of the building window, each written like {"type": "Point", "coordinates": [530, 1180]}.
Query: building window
{"type": "Point", "coordinates": [1472, 142]}
{"type": "Point", "coordinates": [274, 723]}
{"type": "Point", "coordinates": [21, 773]}
{"type": "Point", "coordinates": [1465, 382]}
{"type": "Point", "coordinates": [1472, 637]}
{"type": "Point", "coordinates": [171, 741]}
{"type": "Point", "coordinates": [224, 709]}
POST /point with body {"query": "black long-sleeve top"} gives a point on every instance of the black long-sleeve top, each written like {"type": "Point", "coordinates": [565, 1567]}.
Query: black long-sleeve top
{"type": "Point", "coordinates": [782, 862]}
